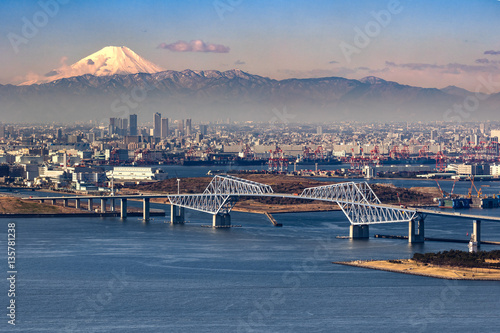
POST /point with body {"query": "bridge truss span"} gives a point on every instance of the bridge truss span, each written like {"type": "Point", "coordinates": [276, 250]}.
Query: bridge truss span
{"type": "Point", "coordinates": [207, 203]}
{"type": "Point", "coordinates": [359, 203]}
{"type": "Point", "coordinates": [221, 195]}
{"type": "Point", "coordinates": [233, 185]}
{"type": "Point", "coordinates": [360, 213]}
{"type": "Point", "coordinates": [345, 192]}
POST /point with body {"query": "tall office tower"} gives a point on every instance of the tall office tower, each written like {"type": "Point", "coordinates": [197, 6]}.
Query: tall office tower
{"type": "Point", "coordinates": [112, 125]}
{"type": "Point", "coordinates": [484, 128]}
{"type": "Point", "coordinates": [203, 129]}
{"type": "Point", "coordinates": [434, 135]}
{"type": "Point", "coordinates": [157, 125]}
{"type": "Point", "coordinates": [188, 127]}
{"type": "Point", "coordinates": [124, 130]}
{"type": "Point", "coordinates": [319, 130]}
{"type": "Point", "coordinates": [164, 128]}
{"type": "Point", "coordinates": [477, 139]}
{"type": "Point", "coordinates": [2, 131]}
{"type": "Point", "coordinates": [133, 124]}
{"type": "Point", "coordinates": [180, 126]}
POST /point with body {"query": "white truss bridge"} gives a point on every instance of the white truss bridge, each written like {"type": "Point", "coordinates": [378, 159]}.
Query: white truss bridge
{"type": "Point", "coordinates": [359, 203]}
{"type": "Point", "coordinates": [357, 200]}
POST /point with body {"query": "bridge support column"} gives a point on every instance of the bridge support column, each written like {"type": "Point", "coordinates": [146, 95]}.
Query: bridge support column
{"type": "Point", "coordinates": [416, 236]}
{"type": "Point", "coordinates": [176, 214]}
{"type": "Point", "coordinates": [359, 231]}
{"type": "Point", "coordinates": [145, 209]}
{"type": "Point", "coordinates": [103, 205]}
{"type": "Point", "coordinates": [66, 202]}
{"type": "Point", "coordinates": [221, 220]}
{"type": "Point", "coordinates": [476, 232]}
{"type": "Point", "coordinates": [42, 201]}
{"type": "Point", "coordinates": [112, 205]}
{"type": "Point", "coordinates": [77, 204]}
{"type": "Point", "coordinates": [123, 208]}
{"type": "Point", "coordinates": [54, 201]}
{"type": "Point", "coordinates": [90, 206]}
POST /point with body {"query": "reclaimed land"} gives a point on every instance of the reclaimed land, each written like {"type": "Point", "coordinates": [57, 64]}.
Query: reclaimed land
{"type": "Point", "coordinates": [450, 265]}
{"type": "Point", "coordinates": [12, 205]}
{"type": "Point", "coordinates": [292, 185]}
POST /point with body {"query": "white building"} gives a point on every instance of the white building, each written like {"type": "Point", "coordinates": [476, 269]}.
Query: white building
{"type": "Point", "coordinates": [495, 170]}
{"type": "Point", "coordinates": [137, 173]}
{"type": "Point", "coordinates": [495, 133]}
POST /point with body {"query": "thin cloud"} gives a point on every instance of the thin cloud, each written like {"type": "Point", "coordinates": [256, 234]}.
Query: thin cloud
{"type": "Point", "coordinates": [51, 73]}
{"type": "Point", "coordinates": [451, 68]}
{"type": "Point", "coordinates": [239, 62]}
{"type": "Point", "coordinates": [333, 62]}
{"type": "Point", "coordinates": [414, 66]}
{"type": "Point", "coordinates": [492, 52]}
{"type": "Point", "coordinates": [318, 73]}
{"type": "Point", "coordinates": [194, 46]}
{"type": "Point", "coordinates": [482, 61]}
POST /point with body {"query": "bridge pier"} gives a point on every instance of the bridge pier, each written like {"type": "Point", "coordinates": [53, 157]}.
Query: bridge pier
{"type": "Point", "coordinates": [145, 209]}
{"type": "Point", "coordinates": [90, 206]}
{"type": "Point", "coordinates": [103, 205]}
{"type": "Point", "coordinates": [176, 214]}
{"type": "Point", "coordinates": [123, 208]}
{"type": "Point", "coordinates": [476, 232]}
{"type": "Point", "coordinates": [42, 201]}
{"type": "Point", "coordinates": [419, 235]}
{"type": "Point", "coordinates": [77, 204]}
{"type": "Point", "coordinates": [359, 231]}
{"type": "Point", "coordinates": [112, 205]}
{"type": "Point", "coordinates": [66, 202]}
{"type": "Point", "coordinates": [221, 220]}
{"type": "Point", "coordinates": [54, 201]}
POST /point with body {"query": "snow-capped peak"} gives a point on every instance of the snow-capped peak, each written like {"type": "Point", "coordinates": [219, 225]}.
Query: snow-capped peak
{"type": "Point", "coordinates": [108, 61]}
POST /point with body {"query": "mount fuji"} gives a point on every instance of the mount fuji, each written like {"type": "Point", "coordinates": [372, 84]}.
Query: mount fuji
{"type": "Point", "coordinates": [108, 61]}
{"type": "Point", "coordinates": [115, 82]}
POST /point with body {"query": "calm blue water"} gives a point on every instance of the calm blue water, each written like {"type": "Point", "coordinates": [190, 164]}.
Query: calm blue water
{"type": "Point", "coordinates": [104, 275]}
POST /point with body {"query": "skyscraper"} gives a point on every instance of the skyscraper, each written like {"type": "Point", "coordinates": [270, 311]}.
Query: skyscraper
{"type": "Point", "coordinates": [112, 125]}
{"type": "Point", "coordinates": [124, 129]}
{"type": "Point", "coordinates": [180, 126]}
{"type": "Point", "coordinates": [188, 126]}
{"type": "Point", "coordinates": [2, 131]}
{"type": "Point", "coordinates": [157, 125]}
{"type": "Point", "coordinates": [133, 124]}
{"type": "Point", "coordinates": [164, 128]}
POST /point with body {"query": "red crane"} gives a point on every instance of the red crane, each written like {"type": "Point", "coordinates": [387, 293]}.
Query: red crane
{"type": "Point", "coordinates": [441, 161]}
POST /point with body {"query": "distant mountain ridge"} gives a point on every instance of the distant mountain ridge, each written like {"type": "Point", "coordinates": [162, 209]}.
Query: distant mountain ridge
{"type": "Point", "coordinates": [116, 82]}
{"type": "Point", "coordinates": [211, 94]}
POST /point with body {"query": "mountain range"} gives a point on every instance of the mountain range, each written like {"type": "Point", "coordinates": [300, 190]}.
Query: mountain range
{"type": "Point", "coordinates": [116, 82]}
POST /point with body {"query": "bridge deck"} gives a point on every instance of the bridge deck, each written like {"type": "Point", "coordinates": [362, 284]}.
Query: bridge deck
{"type": "Point", "coordinates": [280, 195]}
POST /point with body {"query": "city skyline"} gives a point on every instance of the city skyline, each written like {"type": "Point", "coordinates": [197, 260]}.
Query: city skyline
{"type": "Point", "coordinates": [426, 44]}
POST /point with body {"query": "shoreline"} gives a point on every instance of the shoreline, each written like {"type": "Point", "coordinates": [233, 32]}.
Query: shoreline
{"type": "Point", "coordinates": [409, 266]}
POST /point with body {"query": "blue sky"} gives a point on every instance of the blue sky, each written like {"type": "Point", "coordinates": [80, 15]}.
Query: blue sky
{"type": "Point", "coordinates": [424, 43]}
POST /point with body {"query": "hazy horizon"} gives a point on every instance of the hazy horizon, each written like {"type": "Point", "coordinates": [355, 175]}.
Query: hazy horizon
{"type": "Point", "coordinates": [424, 44]}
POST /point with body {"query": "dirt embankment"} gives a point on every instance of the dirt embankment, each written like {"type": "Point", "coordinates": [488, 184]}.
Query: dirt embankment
{"type": "Point", "coordinates": [409, 266]}
{"type": "Point", "coordinates": [12, 205]}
